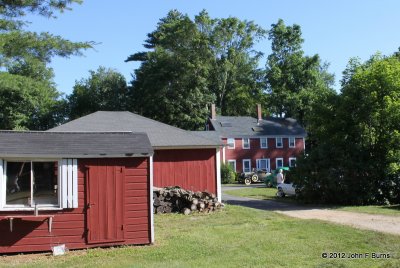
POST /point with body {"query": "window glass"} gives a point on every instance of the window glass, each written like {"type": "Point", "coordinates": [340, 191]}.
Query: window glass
{"type": "Point", "coordinates": [279, 143]}
{"type": "Point", "coordinates": [292, 162]}
{"type": "Point", "coordinates": [18, 183]}
{"type": "Point", "coordinates": [45, 183]}
{"type": "Point", "coordinates": [246, 143]}
{"type": "Point", "coordinates": [30, 183]}
{"type": "Point", "coordinates": [292, 142]}
{"type": "Point", "coordinates": [279, 162]}
{"type": "Point", "coordinates": [246, 166]}
{"type": "Point", "coordinates": [231, 143]}
{"type": "Point", "coordinates": [263, 143]}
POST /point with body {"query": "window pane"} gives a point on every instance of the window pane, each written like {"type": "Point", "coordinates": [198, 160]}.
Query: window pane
{"type": "Point", "coordinates": [18, 183]}
{"type": "Point", "coordinates": [45, 183]}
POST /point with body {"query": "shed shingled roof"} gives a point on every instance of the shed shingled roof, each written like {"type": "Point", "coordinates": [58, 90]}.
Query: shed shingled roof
{"type": "Point", "coordinates": [160, 134]}
{"type": "Point", "coordinates": [246, 126]}
{"type": "Point", "coordinates": [73, 144]}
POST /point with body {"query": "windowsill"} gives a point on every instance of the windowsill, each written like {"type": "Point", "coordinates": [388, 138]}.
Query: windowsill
{"type": "Point", "coordinates": [30, 209]}
{"type": "Point", "coordinates": [246, 148]}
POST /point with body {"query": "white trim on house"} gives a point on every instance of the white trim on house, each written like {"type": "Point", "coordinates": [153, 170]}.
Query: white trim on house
{"type": "Point", "coordinates": [234, 163]}
{"type": "Point", "coordinates": [266, 143]}
{"type": "Point", "coordinates": [151, 201]}
{"type": "Point", "coordinates": [276, 162]}
{"type": "Point", "coordinates": [276, 142]}
{"type": "Point", "coordinates": [304, 145]}
{"type": "Point", "coordinates": [248, 143]}
{"type": "Point", "coordinates": [228, 143]}
{"type": "Point", "coordinates": [243, 167]}
{"type": "Point", "coordinates": [294, 142]}
{"type": "Point", "coordinates": [290, 160]}
{"type": "Point", "coordinates": [223, 154]}
{"type": "Point", "coordinates": [218, 159]}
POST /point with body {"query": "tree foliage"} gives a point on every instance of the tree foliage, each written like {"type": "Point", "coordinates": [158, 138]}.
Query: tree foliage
{"type": "Point", "coordinates": [192, 63]}
{"type": "Point", "coordinates": [24, 57]}
{"type": "Point", "coordinates": [357, 160]}
{"type": "Point", "coordinates": [295, 82]}
{"type": "Point", "coordinates": [105, 89]}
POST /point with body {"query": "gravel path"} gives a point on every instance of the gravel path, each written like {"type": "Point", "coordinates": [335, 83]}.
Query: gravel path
{"type": "Point", "coordinates": [380, 223]}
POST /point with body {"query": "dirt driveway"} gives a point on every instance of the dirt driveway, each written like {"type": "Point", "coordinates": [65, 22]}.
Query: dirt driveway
{"type": "Point", "coordinates": [380, 223]}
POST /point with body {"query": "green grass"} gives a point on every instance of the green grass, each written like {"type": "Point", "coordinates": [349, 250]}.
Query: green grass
{"type": "Point", "coordinates": [269, 194]}
{"type": "Point", "coordinates": [393, 210]}
{"type": "Point", "coordinates": [262, 193]}
{"type": "Point", "coordinates": [235, 237]}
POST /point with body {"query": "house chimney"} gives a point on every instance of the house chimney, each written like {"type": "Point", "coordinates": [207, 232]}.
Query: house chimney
{"type": "Point", "coordinates": [259, 113]}
{"type": "Point", "coordinates": [213, 114]}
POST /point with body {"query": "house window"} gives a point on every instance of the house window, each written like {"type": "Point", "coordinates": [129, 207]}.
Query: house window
{"type": "Point", "coordinates": [279, 163]}
{"type": "Point", "coordinates": [292, 161]}
{"type": "Point", "coordinates": [246, 165]}
{"type": "Point", "coordinates": [279, 143]}
{"type": "Point", "coordinates": [263, 164]}
{"type": "Point", "coordinates": [231, 143]}
{"type": "Point", "coordinates": [246, 143]}
{"type": "Point", "coordinates": [29, 183]}
{"type": "Point", "coordinates": [263, 143]}
{"type": "Point", "coordinates": [292, 142]}
{"type": "Point", "coordinates": [232, 164]}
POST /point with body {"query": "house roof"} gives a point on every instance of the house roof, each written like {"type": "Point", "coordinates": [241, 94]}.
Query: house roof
{"type": "Point", "coordinates": [73, 144]}
{"type": "Point", "coordinates": [211, 135]}
{"type": "Point", "coordinates": [160, 134]}
{"type": "Point", "coordinates": [246, 126]}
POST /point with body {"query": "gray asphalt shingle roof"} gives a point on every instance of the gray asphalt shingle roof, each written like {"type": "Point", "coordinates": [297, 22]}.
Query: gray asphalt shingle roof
{"type": "Point", "coordinates": [246, 126]}
{"type": "Point", "coordinates": [73, 144]}
{"type": "Point", "coordinates": [160, 134]}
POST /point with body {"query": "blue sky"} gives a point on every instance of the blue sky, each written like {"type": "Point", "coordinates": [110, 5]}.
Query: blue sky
{"type": "Point", "coordinates": [336, 30]}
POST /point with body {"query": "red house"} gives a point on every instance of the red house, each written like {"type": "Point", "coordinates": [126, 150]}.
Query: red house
{"type": "Point", "coordinates": [257, 143]}
{"type": "Point", "coordinates": [79, 189]}
{"type": "Point", "coordinates": [181, 158]}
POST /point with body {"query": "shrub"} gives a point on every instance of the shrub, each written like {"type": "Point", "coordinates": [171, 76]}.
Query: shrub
{"type": "Point", "coordinates": [227, 174]}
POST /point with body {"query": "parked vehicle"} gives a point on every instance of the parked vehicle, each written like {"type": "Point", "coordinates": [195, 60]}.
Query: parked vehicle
{"type": "Point", "coordinates": [270, 180]}
{"type": "Point", "coordinates": [255, 176]}
{"type": "Point", "coordinates": [285, 189]}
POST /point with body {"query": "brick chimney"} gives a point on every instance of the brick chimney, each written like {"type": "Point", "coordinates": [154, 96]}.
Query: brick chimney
{"type": "Point", "coordinates": [259, 113]}
{"type": "Point", "coordinates": [213, 114]}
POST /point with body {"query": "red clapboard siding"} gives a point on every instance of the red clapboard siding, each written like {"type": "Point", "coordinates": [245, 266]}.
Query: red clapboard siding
{"type": "Point", "coordinates": [69, 225]}
{"type": "Point", "coordinates": [256, 152]}
{"type": "Point", "coordinates": [192, 169]}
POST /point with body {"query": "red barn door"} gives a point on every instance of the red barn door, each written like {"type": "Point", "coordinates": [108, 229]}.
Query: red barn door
{"type": "Point", "coordinates": [105, 202]}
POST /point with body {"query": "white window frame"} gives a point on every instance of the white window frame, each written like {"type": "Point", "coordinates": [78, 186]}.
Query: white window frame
{"type": "Point", "coordinates": [276, 162]}
{"type": "Point", "coordinates": [67, 185]}
{"type": "Point", "coordinates": [234, 163]}
{"type": "Point", "coordinates": [290, 143]}
{"type": "Point", "coordinates": [243, 167]}
{"type": "Point", "coordinates": [276, 142]}
{"type": "Point", "coordinates": [229, 141]}
{"type": "Point", "coordinates": [244, 147]}
{"type": "Point", "coordinates": [268, 163]}
{"type": "Point", "coordinates": [290, 161]}
{"type": "Point", "coordinates": [266, 143]}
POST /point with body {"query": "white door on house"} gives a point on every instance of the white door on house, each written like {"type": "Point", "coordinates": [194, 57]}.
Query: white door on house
{"type": "Point", "coordinates": [263, 164]}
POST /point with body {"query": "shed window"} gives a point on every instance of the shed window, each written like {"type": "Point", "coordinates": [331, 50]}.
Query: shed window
{"type": "Point", "coordinates": [30, 183]}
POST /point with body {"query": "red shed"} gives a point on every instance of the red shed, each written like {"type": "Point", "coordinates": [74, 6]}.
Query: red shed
{"type": "Point", "coordinates": [79, 189]}
{"type": "Point", "coordinates": [181, 157]}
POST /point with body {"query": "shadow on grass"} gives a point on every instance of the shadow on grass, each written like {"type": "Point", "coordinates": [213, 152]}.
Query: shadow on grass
{"type": "Point", "coordinates": [270, 205]}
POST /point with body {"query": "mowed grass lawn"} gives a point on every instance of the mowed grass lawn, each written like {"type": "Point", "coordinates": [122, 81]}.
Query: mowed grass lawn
{"type": "Point", "coordinates": [264, 193]}
{"type": "Point", "coordinates": [234, 237]}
